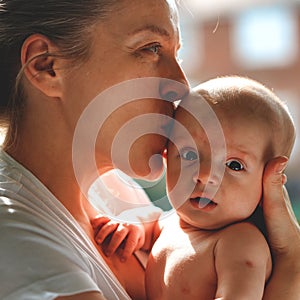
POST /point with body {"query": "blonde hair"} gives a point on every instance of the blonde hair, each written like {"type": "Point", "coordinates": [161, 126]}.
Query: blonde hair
{"type": "Point", "coordinates": [255, 99]}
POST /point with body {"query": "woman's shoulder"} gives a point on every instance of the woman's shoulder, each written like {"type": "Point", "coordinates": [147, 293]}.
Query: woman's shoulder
{"type": "Point", "coordinates": [31, 215]}
{"type": "Point", "coordinates": [42, 248]}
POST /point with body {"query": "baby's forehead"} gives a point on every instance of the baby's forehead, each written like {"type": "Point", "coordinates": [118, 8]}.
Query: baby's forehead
{"type": "Point", "coordinates": [231, 101]}
{"type": "Point", "coordinates": [201, 117]}
{"type": "Point", "coordinates": [196, 108]}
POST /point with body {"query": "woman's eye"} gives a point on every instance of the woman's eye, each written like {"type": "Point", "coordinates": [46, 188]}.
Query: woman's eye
{"type": "Point", "coordinates": [189, 155]}
{"type": "Point", "coordinates": [155, 48]}
{"type": "Point", "coordinates": [235, 165]}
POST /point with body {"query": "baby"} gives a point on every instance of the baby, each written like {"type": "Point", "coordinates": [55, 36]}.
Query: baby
{"type": "Point", "coordinates": [214, 181]}
{"type": "Point", "coordinates": [224, 134]}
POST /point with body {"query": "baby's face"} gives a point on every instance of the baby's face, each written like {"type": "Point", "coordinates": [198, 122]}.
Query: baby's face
{"type": "Point", "coordinates": [214, 174]}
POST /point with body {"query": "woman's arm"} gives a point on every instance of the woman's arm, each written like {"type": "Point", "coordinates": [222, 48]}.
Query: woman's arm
{"type": "Point", "coordinates": [283, 235]}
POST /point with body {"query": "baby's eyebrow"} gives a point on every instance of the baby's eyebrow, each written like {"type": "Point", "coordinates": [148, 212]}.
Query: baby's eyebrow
{"type": "Point", "coordinates": [247, 155]}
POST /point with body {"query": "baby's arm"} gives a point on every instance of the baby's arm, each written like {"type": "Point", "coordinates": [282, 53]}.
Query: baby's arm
{"type": "Point", "coordinates": [243, 263]}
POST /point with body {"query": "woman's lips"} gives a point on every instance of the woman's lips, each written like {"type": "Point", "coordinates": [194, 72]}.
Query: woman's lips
{"type": "Point", "coordinates": [168, 126]}
{"type": "Point", "coordinates": [203, 203]}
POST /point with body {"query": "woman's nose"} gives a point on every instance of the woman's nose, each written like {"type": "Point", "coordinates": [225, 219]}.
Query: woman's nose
{"type": "Point", "coordinates": [174, 86]}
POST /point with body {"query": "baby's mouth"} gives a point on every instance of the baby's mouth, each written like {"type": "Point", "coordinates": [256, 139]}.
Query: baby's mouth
{"type": "Point", "coordinates": [202, 202]}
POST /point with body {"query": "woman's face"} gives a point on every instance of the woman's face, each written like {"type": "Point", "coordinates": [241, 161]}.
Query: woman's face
{"type": "Point", "coordinates": [140, 39]}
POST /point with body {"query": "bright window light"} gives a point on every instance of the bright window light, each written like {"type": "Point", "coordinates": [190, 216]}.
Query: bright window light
{"type": "Point", "coordinates": [265, 37]}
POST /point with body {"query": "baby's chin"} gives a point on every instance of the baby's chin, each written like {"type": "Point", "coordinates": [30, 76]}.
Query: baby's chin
{"type": "Point", "coordinates": [208, 226]}
{"type": "Point", "coordinates": [191, 223]}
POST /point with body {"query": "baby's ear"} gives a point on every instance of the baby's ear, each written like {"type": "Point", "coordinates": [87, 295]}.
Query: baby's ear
{"type": "Point", "coordinates": [40, 67]}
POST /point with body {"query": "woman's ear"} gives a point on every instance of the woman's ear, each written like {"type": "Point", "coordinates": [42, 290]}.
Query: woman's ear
{"type": "Point", "coordinates": [41, 70]}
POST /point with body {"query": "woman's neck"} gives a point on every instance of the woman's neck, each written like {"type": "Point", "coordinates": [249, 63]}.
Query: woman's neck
{"type": "Point", "coordinates": [46, 151]}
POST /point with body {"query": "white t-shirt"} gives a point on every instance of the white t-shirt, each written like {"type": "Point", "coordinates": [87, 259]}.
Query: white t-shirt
{"type": "Point", "coordinates": [44, 253]}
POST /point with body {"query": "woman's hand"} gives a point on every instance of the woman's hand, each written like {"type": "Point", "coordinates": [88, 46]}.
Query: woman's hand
{"type": "Point", "coordinates": [118, 237]}
{"type": "Point", "coordinates": [283, 234]}
{"type": "Point", "coordinates": [282, 226]}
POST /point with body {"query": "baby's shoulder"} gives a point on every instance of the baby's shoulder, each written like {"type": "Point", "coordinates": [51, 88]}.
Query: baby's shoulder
{"type": "Point", "coordinates": [240, 229]}
{"type": "Point", "coordinates": [242, 235]}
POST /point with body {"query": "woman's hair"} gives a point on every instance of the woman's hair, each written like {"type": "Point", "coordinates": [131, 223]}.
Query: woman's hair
{"type": "Point", "coordinates": [67, 23]}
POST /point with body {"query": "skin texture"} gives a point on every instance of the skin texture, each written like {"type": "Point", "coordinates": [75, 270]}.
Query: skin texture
{"type": "Point", "coordinates": [233, 263]}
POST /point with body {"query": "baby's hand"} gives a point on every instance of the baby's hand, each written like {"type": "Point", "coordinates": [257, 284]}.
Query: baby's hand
{"type": "Point", "coordinates": [117, 237]}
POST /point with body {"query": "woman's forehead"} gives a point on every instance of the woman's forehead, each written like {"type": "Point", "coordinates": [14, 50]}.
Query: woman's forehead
{"type": "Point", "coordinates": [144, 5]}
{"type": "Point", "coordinates": [134, 16]}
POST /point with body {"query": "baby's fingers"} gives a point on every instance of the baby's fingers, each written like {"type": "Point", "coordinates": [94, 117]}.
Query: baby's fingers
{"type": "Point", "coordinates": [117, 238]}
{"type": "Point", "coordinates": [104, 232]}
{"type": "Point", "coordinates": [99, 221]}
{"type": "Point", "coordinates": [134, 241]}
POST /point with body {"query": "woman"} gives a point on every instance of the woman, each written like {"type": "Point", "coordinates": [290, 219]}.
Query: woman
{"type": "Point", "coordinates": [56, 57]}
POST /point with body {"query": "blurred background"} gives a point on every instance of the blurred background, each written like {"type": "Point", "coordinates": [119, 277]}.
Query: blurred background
{"type": "Point", "coordinates": [255, 38]}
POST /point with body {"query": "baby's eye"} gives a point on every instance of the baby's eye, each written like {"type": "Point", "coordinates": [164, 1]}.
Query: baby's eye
{"type": "Point", "coordinates": [189, 155]}
{"type": "Point", "coordinates": [234, 165]}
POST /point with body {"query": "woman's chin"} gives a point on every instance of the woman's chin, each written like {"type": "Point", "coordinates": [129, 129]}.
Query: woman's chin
{"type": "Point", "coordinates": [152, 171]}
{"type": "Point", "coordinates": [153, 175]}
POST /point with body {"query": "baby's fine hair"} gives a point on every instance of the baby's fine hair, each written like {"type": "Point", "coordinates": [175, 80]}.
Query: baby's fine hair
{"type": "Point", "coordinates": [253, 98]}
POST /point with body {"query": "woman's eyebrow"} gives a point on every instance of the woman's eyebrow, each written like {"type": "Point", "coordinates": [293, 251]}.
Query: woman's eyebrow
{"type": "Point", "coordinates": [153, 29]}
